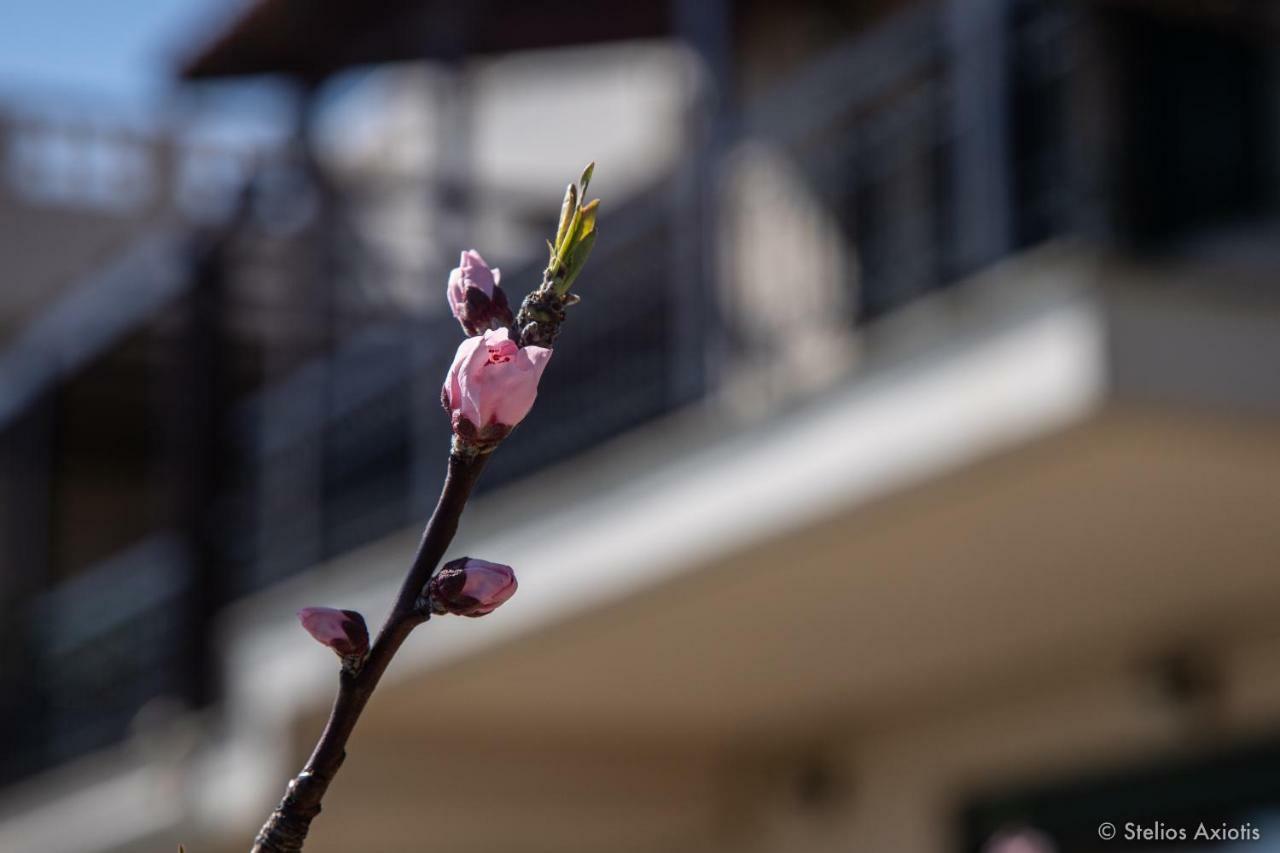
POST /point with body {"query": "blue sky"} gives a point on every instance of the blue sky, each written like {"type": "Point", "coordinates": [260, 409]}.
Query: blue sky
{"type": "Point", "coordinates": [119, 49]}
{"type": "Point", "coordinates": [116, 59]}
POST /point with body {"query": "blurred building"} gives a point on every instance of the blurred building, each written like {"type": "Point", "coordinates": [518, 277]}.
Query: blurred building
{"type": "Point", "coordinates": [907, 480]}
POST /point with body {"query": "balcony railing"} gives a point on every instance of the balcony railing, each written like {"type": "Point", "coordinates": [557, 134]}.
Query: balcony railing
{"type": "Point", "coordinates": [99, 647]}
{"type": "Point", "coordinates": [348, 448]}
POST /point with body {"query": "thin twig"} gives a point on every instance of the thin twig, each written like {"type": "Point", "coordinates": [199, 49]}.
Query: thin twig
{"type": "Point", "coordinates": [286, 829]}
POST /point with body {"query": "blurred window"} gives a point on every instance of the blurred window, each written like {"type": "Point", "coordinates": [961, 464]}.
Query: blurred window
{"type": "Point", "coordinates": [208, 183]}
{"type": "Point", "coordinates": [55, 164]}
{"type": "Point", "coordinates": [1196, 124]}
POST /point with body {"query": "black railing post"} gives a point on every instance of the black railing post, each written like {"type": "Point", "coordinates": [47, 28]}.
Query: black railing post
{"type": "Point", "coordinates": [26, 493]}
{"type": "Point", "coordinates": [981, 194]}
{"type": "Point", "coordinates": [196, 413]}
{"type": "Point", "coordinates": [697, 323]}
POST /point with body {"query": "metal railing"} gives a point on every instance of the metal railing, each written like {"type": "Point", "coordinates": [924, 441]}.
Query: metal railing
{"type": "Point", "coordinates": [100, 647]}
{"type": "Point", "coordinates": [90, 161]}
{"type": "Point", "coordinates": [345, 449]}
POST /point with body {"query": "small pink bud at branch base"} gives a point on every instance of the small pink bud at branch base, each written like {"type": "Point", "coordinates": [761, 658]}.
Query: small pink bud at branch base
{"type": "Point", "coordinates": [474, 296]}
{"type": "Point", "coordinates": [470, 587]}
{"type": "Point", "coordinates": [491, 386]}
{"type": "Point", "coordinates": [344, 631]}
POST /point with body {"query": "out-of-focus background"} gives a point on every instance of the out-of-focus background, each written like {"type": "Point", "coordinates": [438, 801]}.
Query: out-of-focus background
{"type": "Point", "coordinates": [907, 481]}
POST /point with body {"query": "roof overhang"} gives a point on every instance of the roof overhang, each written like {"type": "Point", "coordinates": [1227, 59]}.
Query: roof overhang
{"type": "Point", "coordinates": [312, 40]}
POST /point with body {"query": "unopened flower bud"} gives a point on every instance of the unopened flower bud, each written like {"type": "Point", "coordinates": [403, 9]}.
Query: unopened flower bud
{"type": "Point", "coordinates": [343, 631]}
{"type": "Point", "coordinates": [470, 587]}
{"type": "Point", "coordinates": [475, 298]}
{"type": "Point", "coordinates": [491, 387]}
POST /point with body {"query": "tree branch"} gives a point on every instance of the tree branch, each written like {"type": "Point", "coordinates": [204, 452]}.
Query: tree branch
{"type": "Point", "coordinates": [286, 828]}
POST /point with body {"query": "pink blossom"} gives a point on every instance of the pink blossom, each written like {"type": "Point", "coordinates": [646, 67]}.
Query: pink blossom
{"type": "Point", "coordinates": [344, 631]}
{"type": "Point", "coordinates": [492, 382]}
{"type": "Point", "coordinates": [472, 271]}
{"type": "Point", "coordinates": [474, 296]}
{"type": "Point", "coordinates": [471, 587]}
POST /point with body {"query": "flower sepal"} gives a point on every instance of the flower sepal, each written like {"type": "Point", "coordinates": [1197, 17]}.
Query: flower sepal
{"type": "Point", "coordinates": [470, 440]}
{"type": "Point", "coordinates": [343, 631]}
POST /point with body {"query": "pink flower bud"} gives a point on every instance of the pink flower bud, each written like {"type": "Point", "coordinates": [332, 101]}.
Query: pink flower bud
{"type": "Point", "coordinates": [475, 297]}
{"type": "Point", "coordinates": [491, 386]}
{"type": "Point", "coordinates": [470, 587]}
{"type": "Point", "coordinates": [343, 631]}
